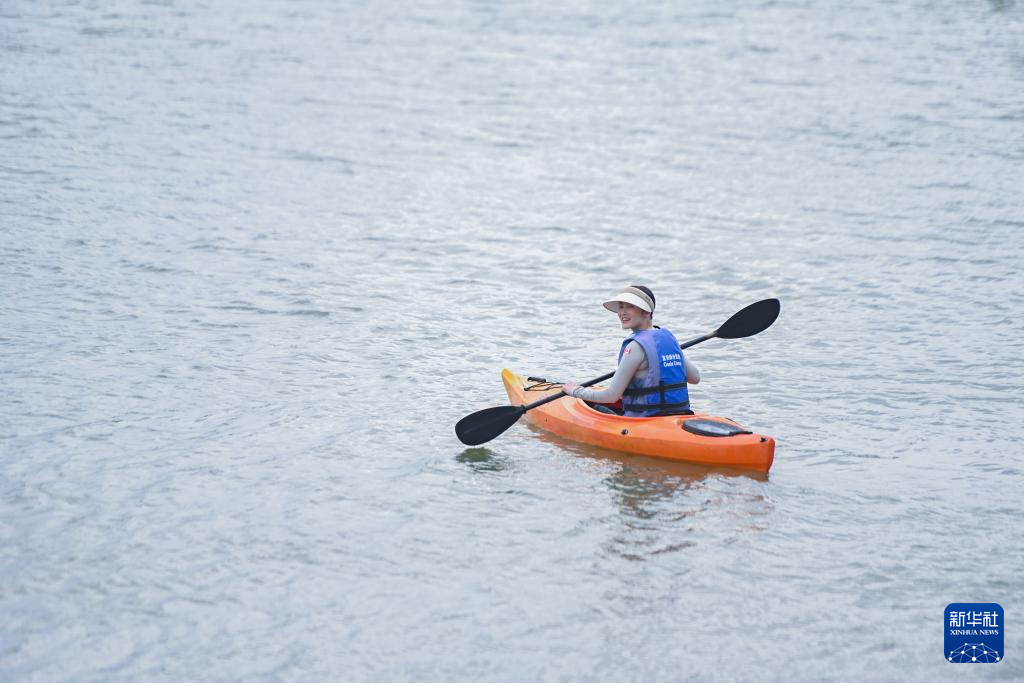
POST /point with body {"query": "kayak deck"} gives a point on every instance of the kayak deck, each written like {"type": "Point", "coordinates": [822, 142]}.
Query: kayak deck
{"type": "Point", "coordinates": [660, 437]}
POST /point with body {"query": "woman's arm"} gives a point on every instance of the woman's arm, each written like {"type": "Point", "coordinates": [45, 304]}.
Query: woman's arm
{"type": "Point", "coordinates": [632, 358]}
{"type": "Point", "coordinates": [692, 371]}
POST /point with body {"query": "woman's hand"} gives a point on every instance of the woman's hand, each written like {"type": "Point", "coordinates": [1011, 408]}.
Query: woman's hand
{"type": "Point", "coordinates": [569, 387]}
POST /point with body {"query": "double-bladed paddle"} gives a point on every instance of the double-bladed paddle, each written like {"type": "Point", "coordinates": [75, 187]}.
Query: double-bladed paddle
{"type": "Point", "coordinates": [484, 425]}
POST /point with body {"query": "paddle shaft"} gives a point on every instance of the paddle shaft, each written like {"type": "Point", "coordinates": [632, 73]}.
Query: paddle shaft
{"type": "Point", "coordinates": [554, 397]}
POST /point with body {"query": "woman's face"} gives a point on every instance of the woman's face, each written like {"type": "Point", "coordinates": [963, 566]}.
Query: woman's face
{"type": "Point", "coordinates": [632, 317]}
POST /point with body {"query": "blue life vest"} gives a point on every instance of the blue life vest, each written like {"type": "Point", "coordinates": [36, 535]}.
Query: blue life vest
{"type": "Point", "coordinates": [662, 391]}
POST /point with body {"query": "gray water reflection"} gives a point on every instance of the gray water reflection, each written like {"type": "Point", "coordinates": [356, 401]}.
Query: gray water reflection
{"type": "Point", "coordinates": [665, 506]}
{"type": "Point", "coordinates": [482, 460]}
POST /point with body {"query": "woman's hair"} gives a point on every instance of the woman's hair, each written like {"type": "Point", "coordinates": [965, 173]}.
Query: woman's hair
{"type": "Point", "coordinates": [649, 293]}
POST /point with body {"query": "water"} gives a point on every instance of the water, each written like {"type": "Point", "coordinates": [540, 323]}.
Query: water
{"type": "Point", "coordinates": [258, 258]}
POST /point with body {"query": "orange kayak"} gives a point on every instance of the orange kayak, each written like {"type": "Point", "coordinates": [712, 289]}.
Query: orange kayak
{"type": "Point", "coordinates": [698, 438]}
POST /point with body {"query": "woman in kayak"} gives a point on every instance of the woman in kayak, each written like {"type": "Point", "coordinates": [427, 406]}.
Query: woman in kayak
{"type": "Point", "coordinates": [653, 372]}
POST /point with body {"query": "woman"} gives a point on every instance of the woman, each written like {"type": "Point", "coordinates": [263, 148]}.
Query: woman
{"type": "Point", "coordinates": [653, 372]}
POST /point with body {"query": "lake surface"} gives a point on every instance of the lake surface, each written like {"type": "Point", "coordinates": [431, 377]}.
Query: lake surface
{"type": "Point", "coordinates": [257, 258]}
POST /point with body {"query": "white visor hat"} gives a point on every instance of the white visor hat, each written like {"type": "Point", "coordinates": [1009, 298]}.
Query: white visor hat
{"type": "Point", "coordinates": [631, 295]}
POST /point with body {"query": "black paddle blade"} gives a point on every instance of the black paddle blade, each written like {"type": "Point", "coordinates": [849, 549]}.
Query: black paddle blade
{"type": "Point", "coordinates": [754, 319]}
{"type": "Point", "coordinates": [484, 425]}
